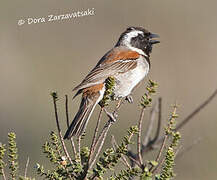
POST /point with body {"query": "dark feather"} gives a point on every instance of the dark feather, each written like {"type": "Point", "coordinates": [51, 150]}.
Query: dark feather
{"type": "Point", "coordinates": [80, 121]}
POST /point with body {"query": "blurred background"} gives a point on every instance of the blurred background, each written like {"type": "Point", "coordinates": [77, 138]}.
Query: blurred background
{"type": "Point", "coordinates": [38, 58]}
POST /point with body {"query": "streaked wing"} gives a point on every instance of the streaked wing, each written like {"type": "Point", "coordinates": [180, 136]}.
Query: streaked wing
{"type": "Point", "coordinates": [100, 73]}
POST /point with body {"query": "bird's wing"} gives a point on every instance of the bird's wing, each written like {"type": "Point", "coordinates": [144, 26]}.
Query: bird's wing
{"type": "Point", "coordinates": [114, 62]}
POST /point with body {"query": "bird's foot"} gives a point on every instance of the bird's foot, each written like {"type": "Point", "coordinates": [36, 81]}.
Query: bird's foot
{"type": "Point", "coordinates": [129, 99]}
{"type": "Point", "coordinates": [112, 116]}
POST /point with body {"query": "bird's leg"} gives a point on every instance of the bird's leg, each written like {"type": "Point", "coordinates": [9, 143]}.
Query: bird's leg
{"type": "Point", "coordinates": [129, 99]}
{"type": "Point", "coordinates": [118, 104]}
{"type": "Point", "coordinates": [112, 116]}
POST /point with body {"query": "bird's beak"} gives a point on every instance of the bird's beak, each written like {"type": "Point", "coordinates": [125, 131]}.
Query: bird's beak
{"type": "Point", "coordinates": [154, 41]}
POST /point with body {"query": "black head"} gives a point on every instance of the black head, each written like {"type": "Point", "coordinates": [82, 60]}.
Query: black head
{"type": "Point", "coordinates": [138, 39]}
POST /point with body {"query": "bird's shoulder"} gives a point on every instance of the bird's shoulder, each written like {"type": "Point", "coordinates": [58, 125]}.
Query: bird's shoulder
{"type": "Point", "coordinates": [117, 54]}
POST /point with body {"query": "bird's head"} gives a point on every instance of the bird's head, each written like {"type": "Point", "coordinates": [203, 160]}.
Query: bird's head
{"type": "Point", "coordinates": [138, 39]}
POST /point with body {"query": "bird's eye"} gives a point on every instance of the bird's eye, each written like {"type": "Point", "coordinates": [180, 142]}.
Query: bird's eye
{"type": "Point", "coordinates": [147, 34]}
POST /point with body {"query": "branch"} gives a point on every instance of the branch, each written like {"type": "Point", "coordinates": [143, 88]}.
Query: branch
{"type": "Point", "coordinates": [197, 110]}
{"type": "Point", "coordinates": [159, 120]}
{"type": "Point", "coordinates": [150, 125]}
{"type": "Point", "coordinates": [26, 167]}
{"type": "Point", "coordinates": [124, 160]}
{"type": "Point", "coordinates": [92, 148]}
{"type": "Point", "coordinates": [3, 174]}
{"type": "Point", "coordinates": [195, 142]}
{"type": "Point", "coordinates": [67, 121]}
{"type": "Point", "coordinates": [149, 145]}
{"type": "Point", "coordinates": [139, 150]}
{"type": "Point", "coordinates": [160, 153]}
{"type": "Point", "coordinates": [102, 137]}
{"type": "Point", "coordinates": [190, 116]}
{"type": "Point", "coordinates": [55, 98]}
{"type": "Point", "coordinates": [79, 147]}
{"type": "Point", "coordinates": [103, 134]}
{"type": "Point", "coordinates": [168, 131]}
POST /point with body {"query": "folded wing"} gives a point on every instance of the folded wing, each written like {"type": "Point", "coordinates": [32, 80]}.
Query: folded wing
{"type": "Point", "coordinates": [118, 60]}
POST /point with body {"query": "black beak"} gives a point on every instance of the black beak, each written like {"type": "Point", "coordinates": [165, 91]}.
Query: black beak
{"type": "Point", "coordinates": [153, 41]}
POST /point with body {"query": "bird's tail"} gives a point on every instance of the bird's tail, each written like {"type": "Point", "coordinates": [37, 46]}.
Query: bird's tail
{"type": "Point", "coordinates": [80, 121]}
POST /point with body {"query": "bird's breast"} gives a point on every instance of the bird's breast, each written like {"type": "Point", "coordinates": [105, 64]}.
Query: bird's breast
{"type": "Point", "coordinates": [125, 82]}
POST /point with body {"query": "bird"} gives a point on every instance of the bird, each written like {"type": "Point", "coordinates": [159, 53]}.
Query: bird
{"type": "Point", "coordinates": [128, 62]}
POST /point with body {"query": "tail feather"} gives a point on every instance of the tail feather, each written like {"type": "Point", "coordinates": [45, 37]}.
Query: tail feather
{"type": "Point", "coordinates": [79, 123]}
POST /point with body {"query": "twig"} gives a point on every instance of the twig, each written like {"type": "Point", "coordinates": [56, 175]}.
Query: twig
{"type": "Point", "coordinates": [190, 116]}
{"type": "Point", "coordinates": [95, 134]}
{"type": "Point", "coordinates": [147, 143]}
{"type": "Point", "coordinates": [197, 110]}
{"type": "Point", "coordinates": [67, 111]}
{"type": "Point", "coordinates": [103, 134]}
{"type": "Point", "coordinates": [67, 121]}
{"type": "Point", "coordinates": [161, 148]}
{"type": "Point", "coordinates": [133, 159]}
{"type": "Point", "coordinates": [79, 147]}
{"type": "Point", "coordinates": [26, 167]}
{"type": "Point", "coordinates": [150, 144]}
{"type": "Point", "coordinates": [195, 142]}
{"type": "Point", "coordinates": [94, 139]}
{"type": "Point", "coordinates": [60, 155]}
{"type": "Point", "coordinates": [112, 118]}
{"type": "Point", "coordinates": [101, 139]}
{"type": "Point", "coordinates": [157, 168]}
{"type": "Point", "coordinates": [59, 130]}
{"type": "Point", "coordinates": [150, 125]}
{"type": "Point", "coordinates": [124, 160]}
{"type": "Point", "coordinates": [3, 174]}
{"type": "Point", "coordinates": [139, 147]}
{"type": "Point", "coordinates": [152, 169]}
{"type": "Point", "coordinates": [118, 106]}
{"type": "Point", "coordinates": [159, 120]}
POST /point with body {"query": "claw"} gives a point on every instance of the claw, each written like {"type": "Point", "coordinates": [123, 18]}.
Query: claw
{"type": "Point", "coordinates": [113, 116]}
{"type": "Point", "coordinates": [129, 99]}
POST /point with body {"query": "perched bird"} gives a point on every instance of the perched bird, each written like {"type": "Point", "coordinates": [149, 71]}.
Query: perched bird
{"type": "Point", "coordinates": [128, 62]}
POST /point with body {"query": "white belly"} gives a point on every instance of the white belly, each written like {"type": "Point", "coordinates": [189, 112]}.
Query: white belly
{"type": "Point", "coordinates": [127, 81]}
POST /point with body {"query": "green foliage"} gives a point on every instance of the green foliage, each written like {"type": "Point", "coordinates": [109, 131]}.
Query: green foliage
{"type": "Point", "coordinates": [64, 168]}
{"type": "Point", "coordinates": [12, 155]}
{"type": "Point", "coordinates": [147, 175]}
{"type": "Point", "coordinates": [167, 170]}
{"type": "Point", "coordinates": [2, 153]}
{"type": "Point", "coordinates": [126, 174]}
{"type": "Point", "coordinates": [25, 178]}
{"type": "Point", "coordinates": [53, 151]}
{"type": "Point", "coordinates": [54, 95]}
{"type": "Point", "coordinates": [84, 155]}
{"type": "Point", "coordinates": [109, 88]}
{"type": "Point", "coordinates": [111, 157]}
{"type": "Point", "coordinates": [146, 98]}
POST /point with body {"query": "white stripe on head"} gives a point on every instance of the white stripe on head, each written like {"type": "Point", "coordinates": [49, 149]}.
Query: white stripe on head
{"type": "Point", "coordinates": [127, 40]}
{"type": "Point", "coordinates": [132, 34]}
